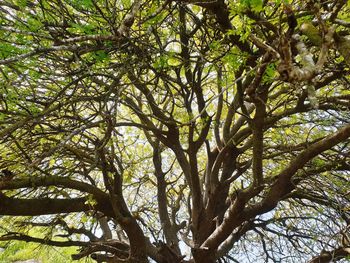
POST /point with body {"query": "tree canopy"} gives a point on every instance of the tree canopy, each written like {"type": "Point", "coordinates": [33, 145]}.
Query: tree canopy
{"type": "Point", "coordinates": [177, 130]}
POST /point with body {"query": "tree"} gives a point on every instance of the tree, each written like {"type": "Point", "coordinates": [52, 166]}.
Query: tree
{"type": "Point", "coordinates": [177, 131]}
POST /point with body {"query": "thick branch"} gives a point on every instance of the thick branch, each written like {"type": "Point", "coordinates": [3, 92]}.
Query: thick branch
{"type": "Point", "coordinates": [331, 256]}
{"type": "Point", "coordinates": [26, 238]}
{"type": "Point", "coordinates": [283, 183]}
{"type": "Point", "coordinates": [34, 182]}
{"type": "Point", "coordinates": [44, 206]}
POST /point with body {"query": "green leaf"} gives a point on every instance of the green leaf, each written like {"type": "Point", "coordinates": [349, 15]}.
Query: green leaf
{"type": "Point", "coordinates": [34, 24]}
{"type": "Point", "coordinates": [255, 5]}
{"type": "Point", "coordinates": [100, 55]}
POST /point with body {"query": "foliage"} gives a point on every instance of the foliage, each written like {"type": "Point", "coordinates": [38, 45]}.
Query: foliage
{"type": "Point", "coordinates": [176, 131]}
{"type": "Point", "coordinates": [21, 251]}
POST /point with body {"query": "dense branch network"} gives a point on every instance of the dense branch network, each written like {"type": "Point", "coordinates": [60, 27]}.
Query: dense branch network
{"type": "Point", "coordinates": [186, 131]}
